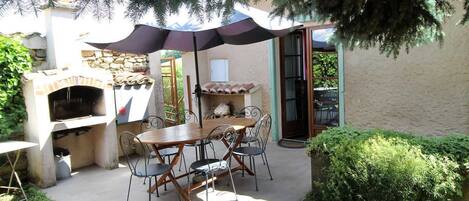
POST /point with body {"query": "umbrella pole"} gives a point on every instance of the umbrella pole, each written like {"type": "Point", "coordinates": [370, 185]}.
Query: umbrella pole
{"type": "Point", "coordinates": [198, 90]}
{"type": "Point", "coordinates": [198, 93]}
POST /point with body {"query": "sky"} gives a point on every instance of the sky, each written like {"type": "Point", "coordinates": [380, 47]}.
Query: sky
{"type": "Point", "coordinates": [106, 30]}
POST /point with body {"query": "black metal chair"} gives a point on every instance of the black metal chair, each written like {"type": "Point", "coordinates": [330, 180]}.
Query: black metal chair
{"type": "Point", "coordinates": [209, 166]}
{"type": "Point", "coordinates": [191, 117]}
{"type": "Point", "coordinates": [263, 132]}
{"type": "Point", "coordinates": [255, 113]}
{"type": "Point", "coordinates": [140, 166]}
{"type": "Point", "coordinates": [156, 122]}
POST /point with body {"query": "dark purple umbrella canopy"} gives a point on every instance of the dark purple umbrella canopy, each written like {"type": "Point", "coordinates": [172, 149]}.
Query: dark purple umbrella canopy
{"type": "Point", "coordinates": [244, 26]}
{"type": "Point", "coordinates": [147, 39]}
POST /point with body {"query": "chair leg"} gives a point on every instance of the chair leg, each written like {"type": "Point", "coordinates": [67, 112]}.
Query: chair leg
{"type": "Point", "coordinates": [232, 182]}
{"type": "Point", "coordinates": [250, 163]}
{"type": "Point", "coordinates": [206, 186]}
{"type": "Point", "coordinates": [255, 173]}
{"type": "Point", "coordinates": [268, 168]}
{"type": "Point", "coordinates": [189, 185]}
{"type": "Point", "coordinates": [213, 182]}
{"type": "Point", "coordinates": [196, 153]}
{"type": "Point", "coordinates": [213, 149]}
{"type": "Point", "coordinates": [164, 161]}
{"type": "Point", "coordinates": [242, 169]}
{"type": "Point", "coordinates": [263, 160]}
{"type": "Point", "coordinates": [157, 191]}
{"type": "Point", "coordinates": [149, 187]}
{"type": "Point", "coordinates": [128, 191]}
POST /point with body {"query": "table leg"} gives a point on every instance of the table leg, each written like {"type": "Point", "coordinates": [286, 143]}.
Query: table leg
{"type": "Point", "coordinates": [169, 174]}
{"type": "Point", "coordinates": [236, 144]}
{"type": "Point", "coordinates": [14, 173]}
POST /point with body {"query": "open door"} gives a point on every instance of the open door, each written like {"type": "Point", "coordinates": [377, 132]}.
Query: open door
{"type": "Point", "coordinates": [309, 81]}
{"type": "Point", "coordinates": [324, 81]}
{"type": "Point", "coordinates": [293, 87]}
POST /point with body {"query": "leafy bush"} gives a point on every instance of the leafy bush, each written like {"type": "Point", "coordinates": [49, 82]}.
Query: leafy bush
{"type": "Point", "coordinates": [387, 165]}
{"type": "Point", "coordinates": [14, 61]}
{"type": "Point", "coordinates": [32, 192]}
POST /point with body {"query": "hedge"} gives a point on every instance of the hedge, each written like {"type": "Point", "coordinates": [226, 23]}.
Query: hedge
{"type": "Point", "coordinates": [388, 165]}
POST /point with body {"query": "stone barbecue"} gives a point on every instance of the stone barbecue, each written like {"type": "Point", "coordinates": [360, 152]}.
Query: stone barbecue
{"type": "Point", "coordinates": [67, 98]}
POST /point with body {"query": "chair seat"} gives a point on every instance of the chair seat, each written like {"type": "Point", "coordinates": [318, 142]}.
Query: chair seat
{"type": "Point", "coordinates": [247, 151]}
{"type": "Point", "coordinates": [152, 169]}
{"type": "Point", "coordinates": [198, 143]}
{"type": "Point", "coordinates": [209, 165]}
{"type": "Point", "coordinates": [248, 139]}
{"type": "Point", "coordinates": [165, 152]}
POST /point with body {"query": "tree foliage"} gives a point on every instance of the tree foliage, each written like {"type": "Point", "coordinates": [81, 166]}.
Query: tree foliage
{"type": "Point", "coordinates": [14, 61]}
{"type": "Point", "coordinates": [389, 25]}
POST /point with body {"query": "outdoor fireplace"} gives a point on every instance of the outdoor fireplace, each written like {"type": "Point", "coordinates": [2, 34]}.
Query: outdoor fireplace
{"type": "Point", "coordinates": [69, 105]}
{"type": "Point", "coordinates": [75, 102]}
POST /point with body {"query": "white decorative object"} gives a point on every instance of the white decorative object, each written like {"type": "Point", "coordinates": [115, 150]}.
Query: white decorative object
{"type": "Point", "coordinates": [222, 110]}
{"type": "Point", "coordinates": [219, 70]}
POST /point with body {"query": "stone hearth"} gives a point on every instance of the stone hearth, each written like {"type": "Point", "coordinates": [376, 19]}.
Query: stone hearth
{"type": "Point", "coordinates": [97, 146]}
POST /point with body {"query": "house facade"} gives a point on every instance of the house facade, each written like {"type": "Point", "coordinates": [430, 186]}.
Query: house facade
{"type": "Point", "coordinates": [425, 91]}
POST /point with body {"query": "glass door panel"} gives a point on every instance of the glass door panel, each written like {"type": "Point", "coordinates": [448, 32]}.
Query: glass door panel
{"type": "Point", "coordinates": [293, 86]}
{"type": "Point", "coordinates": [325, 81]}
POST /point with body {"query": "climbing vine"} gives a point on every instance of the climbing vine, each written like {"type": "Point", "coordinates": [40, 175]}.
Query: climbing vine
{"type": "Point", "coordinates": [14, 61]}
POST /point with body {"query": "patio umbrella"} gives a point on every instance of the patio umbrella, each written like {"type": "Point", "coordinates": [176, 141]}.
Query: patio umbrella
{"type": "Point", "coordinates": [245, 25]}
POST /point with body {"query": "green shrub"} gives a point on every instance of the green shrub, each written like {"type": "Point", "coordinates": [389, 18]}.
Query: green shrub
{"type": "Point", "coordinates": [14, 61]}
{"type": "Point", "coordinates": [33, 193]}
{"type": "Point", "coordinates": [388, 165]}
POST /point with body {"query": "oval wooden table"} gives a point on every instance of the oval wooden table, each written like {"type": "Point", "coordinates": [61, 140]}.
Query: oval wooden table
{"type": "Point", "coordinates": [178, 136]}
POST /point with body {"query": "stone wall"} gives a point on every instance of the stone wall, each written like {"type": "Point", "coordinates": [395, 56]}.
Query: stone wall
{"type": "Point", "coordinates": [37, 48]}
{"type": "Point", "coordinates": [115, 61]}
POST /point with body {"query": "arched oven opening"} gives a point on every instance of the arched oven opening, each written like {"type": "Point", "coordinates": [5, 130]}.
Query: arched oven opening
{"type": "Point", "coordinates": [76, 102]}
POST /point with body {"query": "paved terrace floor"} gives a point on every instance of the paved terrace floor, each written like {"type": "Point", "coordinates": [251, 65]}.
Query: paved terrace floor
{"type": "Point", "coordinates": [290, 170]}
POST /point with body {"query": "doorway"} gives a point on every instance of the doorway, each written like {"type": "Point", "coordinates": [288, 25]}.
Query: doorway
{"type": "Point", "coordinates": [172, 81]}
{"type": "Point", "coordinates": [293, 87]}
{"type": "Point", "coordinates": [309, 81]}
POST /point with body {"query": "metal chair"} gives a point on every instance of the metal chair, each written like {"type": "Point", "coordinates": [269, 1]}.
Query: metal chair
{"type": "Point", "coordinates": [255, 113]}
{"type": "Point", "coordinates": [140, 166]}
{"type": "Point", "coordinates": [263, 132]}
{"type": "Point", "coordinates": [209, 166]}
{"type": "Point", "coordinates": [156, 122]}
{"type": "Point", "coordinates": [191, 117]}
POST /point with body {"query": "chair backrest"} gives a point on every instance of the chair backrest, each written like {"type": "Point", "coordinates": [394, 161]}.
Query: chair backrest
{"type": "Point", "coordinates": [251, 112]}
{"type": "Point", "coordinates": [152, 122]}
{"type": "Point", "coordinates": [262, 130]}
{"type": "Point", "coordinates": [223, 132]}
{"type": "Point", "coordinates": [129, 144]}
{"type": "Point", "coordinates": [189, 117]}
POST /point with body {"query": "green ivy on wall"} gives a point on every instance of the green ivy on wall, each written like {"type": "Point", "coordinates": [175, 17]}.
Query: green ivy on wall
{"type": "Point", "coordinates": [14, 61]}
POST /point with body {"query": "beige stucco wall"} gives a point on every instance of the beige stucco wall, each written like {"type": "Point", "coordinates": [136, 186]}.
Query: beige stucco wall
{"type": "Point", "coordinates": [247, 63]}
{"type": "Point", "coordinates": [425, 91]}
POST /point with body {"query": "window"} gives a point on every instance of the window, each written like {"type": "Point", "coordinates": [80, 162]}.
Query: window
{"type": "Point", "coordinates": [219, 70]}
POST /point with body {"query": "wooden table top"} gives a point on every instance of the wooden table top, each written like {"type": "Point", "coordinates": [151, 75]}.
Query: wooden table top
{"type": "Point", "coordinates": [190, 132]}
